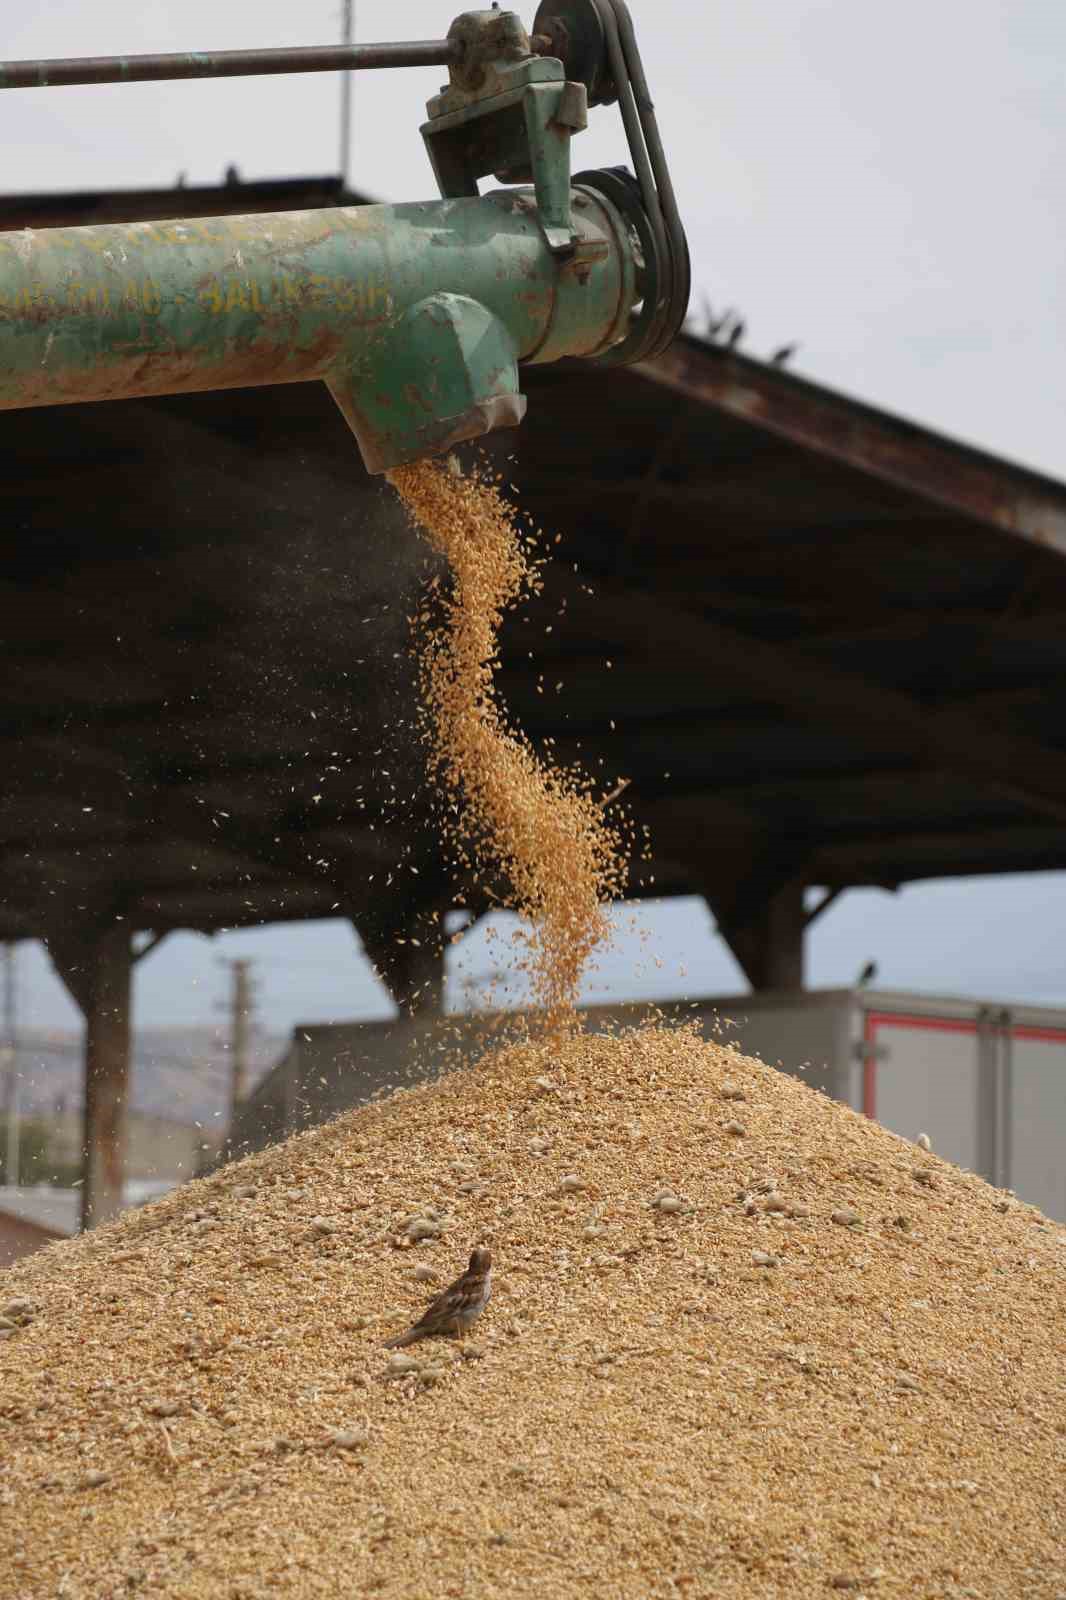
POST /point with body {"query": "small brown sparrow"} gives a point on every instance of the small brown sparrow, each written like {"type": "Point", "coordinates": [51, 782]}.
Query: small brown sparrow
{"type": "Point", "coordinates": [457, 1308]}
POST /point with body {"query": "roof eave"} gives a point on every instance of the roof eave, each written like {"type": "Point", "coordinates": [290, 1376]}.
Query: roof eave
{"type": "Point", "coordinates": [996, 493]}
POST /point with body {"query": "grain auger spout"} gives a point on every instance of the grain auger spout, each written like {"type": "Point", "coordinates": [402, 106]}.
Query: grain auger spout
{"type": "Point", "coordinates": [417, 316]}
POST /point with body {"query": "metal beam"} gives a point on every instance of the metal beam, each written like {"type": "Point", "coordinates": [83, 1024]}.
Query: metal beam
{"type": "Point", "coordinates": [149, 945]}
{"type": "Point", "coordinates": [814, 912]}
{"type": "Point", "coordinates": [558, 481]}
{"type": "Point", "coordinates": [998, 495]}
{"type": "Point", "coordinates": [297, 856]}
{"type": "Point", "coordinates": [210, 914]}
{"type": "Point", "coordinates": [935, 853]}
{"type": "Point", "coordinates": [875, 718]}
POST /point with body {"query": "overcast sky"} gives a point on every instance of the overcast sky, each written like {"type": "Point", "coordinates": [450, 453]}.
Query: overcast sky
{"type": "Point", "coordinates": [883, 183]}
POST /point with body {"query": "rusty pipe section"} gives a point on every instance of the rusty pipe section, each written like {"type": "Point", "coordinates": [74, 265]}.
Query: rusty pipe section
{"type": "Point", "coordinates": [416, 315]}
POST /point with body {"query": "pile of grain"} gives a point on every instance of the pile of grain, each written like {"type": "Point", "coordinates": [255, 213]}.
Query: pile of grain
{"type": "Point", "coordinates": [744, 1343]}
{"type": "Point", "coordinates": [506, 812]}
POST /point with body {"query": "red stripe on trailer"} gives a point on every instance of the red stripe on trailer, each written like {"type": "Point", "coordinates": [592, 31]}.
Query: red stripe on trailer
{"type": "Point", "coordinates": [898, 1019]}
{"type": "Point", "coordinates": [1040, 1035]}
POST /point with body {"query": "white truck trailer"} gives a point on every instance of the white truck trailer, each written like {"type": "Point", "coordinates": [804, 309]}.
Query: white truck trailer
{"type": "Point", "coordinates": [986, 1081]}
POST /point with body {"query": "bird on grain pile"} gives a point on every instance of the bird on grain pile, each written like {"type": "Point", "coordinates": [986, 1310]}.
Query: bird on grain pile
{"type": "Point", "coordinates": [456, 1309]}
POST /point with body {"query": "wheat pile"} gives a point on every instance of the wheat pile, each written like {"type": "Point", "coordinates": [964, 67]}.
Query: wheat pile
{"type": "Point", "coordinates": [507, 814]}
{"type": "Point", "coordinates": [743, 1343]}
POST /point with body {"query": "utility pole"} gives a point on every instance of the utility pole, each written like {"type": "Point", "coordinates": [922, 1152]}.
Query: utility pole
{"type": "Point", "coordinates": [347, 37]}
{"type": "Point", "coordinates": [9, 1061]}
{"type": "Point", "coordinates": [240, 1009]}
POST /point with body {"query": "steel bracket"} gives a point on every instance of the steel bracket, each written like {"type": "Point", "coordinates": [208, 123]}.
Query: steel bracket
{"type": "Point", "coordinates": [508, 113]}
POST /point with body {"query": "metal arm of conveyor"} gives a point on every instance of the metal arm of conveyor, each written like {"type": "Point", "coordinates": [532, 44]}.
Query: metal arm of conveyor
{"type": "Point", "coordinates": [416, 316]}
{"type": "Point", "coordinates": [52, 74]}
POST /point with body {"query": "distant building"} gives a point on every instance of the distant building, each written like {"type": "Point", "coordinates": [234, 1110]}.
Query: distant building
{"type": "Point", "coordinates": [156, 1147]}
{"type": "Point", "coordinates": [986, 1080]}
{"type": "Point", "coordinates": [178, 1111]}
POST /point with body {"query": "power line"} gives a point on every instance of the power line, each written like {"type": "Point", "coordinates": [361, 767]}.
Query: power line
{"type": "Point", "coordinates": [242, 998]}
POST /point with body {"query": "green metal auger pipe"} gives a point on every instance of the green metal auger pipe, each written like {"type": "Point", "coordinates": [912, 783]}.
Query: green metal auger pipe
{"type": "Point", "coordinates": [416, 316]}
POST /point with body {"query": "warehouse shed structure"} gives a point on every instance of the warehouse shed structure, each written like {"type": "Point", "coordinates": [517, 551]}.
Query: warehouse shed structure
{"type": "Point", "coordinates": [825, 646]}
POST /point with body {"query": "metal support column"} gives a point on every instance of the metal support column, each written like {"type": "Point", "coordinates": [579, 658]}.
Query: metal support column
{"type": "Point", "coordinates": [240, 1009]}
{"type": "Point", "coordinates": [97, 967]}
{"type": "Point", "coordinates": [407, 954]}
{"type": "Point", "coordinates": [769, 945]}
